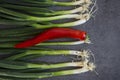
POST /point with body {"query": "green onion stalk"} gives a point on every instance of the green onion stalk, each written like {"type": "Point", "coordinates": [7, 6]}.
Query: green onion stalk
{"type": "Point", "coordinates": [16, 39]}
{"type": "Point", "coordinates": [14, 19]}
{"type": "Point", "coordinates": [11, 51]}
{"type": "Point", "coordinates": [14, 22]}
{"type": "Point", "coordinates": [10, 20]}
{"type": "Point", "coordinates": [50, 3]}
{"type": "Point", "coordinates": [26, 8]}
{"type": "Point", "coordinates": [83, 53]}
{"type": "Point", "coordinates": [26, 17]}
{"type": "Point", "coordinates": [85, 61]}
{"type": "Point", "coordinates": [9, 39]}
{"type": "Point", "coordinates": [11, 78]}
{"type": "Point", "coordinates": [18, 31]}
{"type": "Point", "coordinates": [81, 20]}
{"type": "Point", "coordinates": [39, 11]}
{"type": "Point", "coordinates": [85, 68]}
{"type": "Point", "coordinates": [81, 9]}
{"type": "Point", "coordinates": [23, 3]}
{"type": "Point", "coordinates": [5, 17]}
{"type": "Point", "coordinates": [47, 12]}
{"type": "Point", "coordinates": [87, 41]}
{"type": "Point", "coordinates": [20, 35]}
{"type": "Point", "coordinates": [17, 65]}
{"type": "Point", "coordinates": [10, 43]}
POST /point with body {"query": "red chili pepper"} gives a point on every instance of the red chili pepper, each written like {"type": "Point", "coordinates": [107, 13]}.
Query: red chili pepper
{"type": "Point", "coordinates": [53, 33]}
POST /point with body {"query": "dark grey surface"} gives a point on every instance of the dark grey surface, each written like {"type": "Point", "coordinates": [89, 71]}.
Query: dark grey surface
{"type": "Point", "coordinates": [104, 32]}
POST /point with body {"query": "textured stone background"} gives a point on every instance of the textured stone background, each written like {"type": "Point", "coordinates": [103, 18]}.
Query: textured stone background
{"type": "Point", "coordinates": [104, 31]}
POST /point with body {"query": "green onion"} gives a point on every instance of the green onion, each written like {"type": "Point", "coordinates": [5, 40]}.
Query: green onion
{"type": "Point", "coordinates": [26, 17]}
{"type": "Point", "coordinates": [17, 34]}
{"type": "Point", "coordinates": [43, 11]}
{"type": "Point", "coordinates": [85, 68]}
{"type": "Point", "coordinates": [8, 43]}
{"type": "Point", "coordinates": [81, 9]}
{"type": "Point", "coordinates": [11, 51]}
{"type": "Point", "coordinates": [82, 19]}
{"type": "Point", "coordinates": [17, 39]}
{"type": "Point", "coordinates": [22, 3]}
{"type": "Point", "coordinates": [48, 52]}
{"type": "Point", "coordinates": [50, 2]}
{"type": "Point", "coordinates": [26, 65]}
{"type": "Point", "coordinates": [8, 17]}
{"type": "Point", "coordinates": [10, 22]}
{"type": "Point", "coordinates": [17, 30]}
{"type": "Point", "coordinates": [10, 12]}
{"type": "Point", "coordinates": [64, 43]}
{"type": "Point", "coordinates": [9, 73]}
{"type": "Point", "coordinates": [11, 78]}
{"type": "Point", "coordinates": [26, 8]}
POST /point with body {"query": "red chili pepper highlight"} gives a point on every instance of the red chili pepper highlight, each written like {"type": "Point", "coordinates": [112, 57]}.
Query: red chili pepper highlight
{"type": "Point", "coordinates": [53, 33]}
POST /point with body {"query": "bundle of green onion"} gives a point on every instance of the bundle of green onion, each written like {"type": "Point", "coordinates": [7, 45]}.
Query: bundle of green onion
{"type": "Point", "coordinates": [20, 69]}
{"type": "Point", "coordinates": [37, 14]}
{"type": "Point", "coordinates": [31, 17]}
